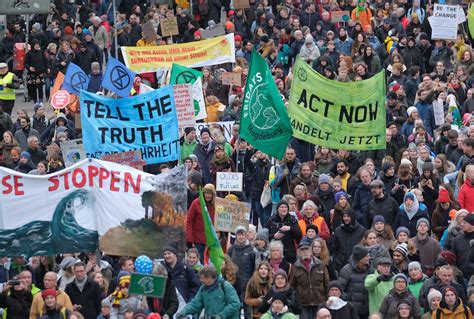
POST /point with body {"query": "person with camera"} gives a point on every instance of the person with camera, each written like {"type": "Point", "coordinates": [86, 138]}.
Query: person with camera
{"type": "Point", "coordinates": [16, 299]}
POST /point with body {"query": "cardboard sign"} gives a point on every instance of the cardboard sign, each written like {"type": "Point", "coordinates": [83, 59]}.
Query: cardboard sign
{"type": "Point", "coordinates": [215, 31]}
{"type": "Point", "coordinates": [229, 182]}
{"type": "Point", "coordinates": [169, 26]}
{"type": "Point", "coordinates": [148, 285]}
{"type": "Point", "coordinates": [60, 99]}
{"type": "Point", "coordinates": [149, 32]}
{"type": "Point", "coordinates": [183, 99]}
{"type": "Point", "coordinates": [227, 125]}
{"type": "Point", "coordinates": [241, 4]}
{"type": "Point", "coordinates": [130, 158]}
{"type": "Point", "coordinates": [340, 16]}
{"type": "Point", "coordinates": [73, 152]}
{"type": "Point", "coordinates": [230, 214]}
{"type": "Point", "coordinates": [230, 78]}
{"type": "Point", "coordinates": [445, 20]}
{"type": "Point", "coordinates": [438, 111]}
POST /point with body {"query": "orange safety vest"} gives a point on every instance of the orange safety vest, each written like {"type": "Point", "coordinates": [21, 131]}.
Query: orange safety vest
{"type": "Point", "coordinates": [318, 221]}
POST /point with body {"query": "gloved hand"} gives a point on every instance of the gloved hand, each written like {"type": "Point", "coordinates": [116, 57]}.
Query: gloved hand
{"type": "Point", "coordinates": [383, 278]}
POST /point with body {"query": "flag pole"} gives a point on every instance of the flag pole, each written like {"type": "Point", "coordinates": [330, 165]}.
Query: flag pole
{"type": "Point", "coordinates": [115, 33]}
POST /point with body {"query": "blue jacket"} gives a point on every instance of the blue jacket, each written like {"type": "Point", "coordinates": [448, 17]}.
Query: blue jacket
{"type": "Point", "coordinates": [362, 198]}
{"type": "Point", "coordinates": [402, 219]}
{"type": "Point", "coordinates": [95, 82]}
{"type": "Point", "coordinates": [422, 108]}
{"type": "Point", "coordinates": [344, 47]}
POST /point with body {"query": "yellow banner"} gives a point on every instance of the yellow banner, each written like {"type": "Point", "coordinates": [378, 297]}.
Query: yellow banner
{"type": "Point", "coordinates": [193, 54]}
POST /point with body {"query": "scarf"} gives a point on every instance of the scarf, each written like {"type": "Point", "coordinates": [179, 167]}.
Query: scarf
{"type": "Point", "coordinates": [374, 250]}
{"type": "Point", "coordinates": [275, 264]}
{"type": "Point", "coordinates": [413, 210]}
{"type": "Point", "coordinates": [306, 263]}
{"type": "Point", "coordinates": [221, 161]}
{"type": "Point", "coordinates": [118, 295]}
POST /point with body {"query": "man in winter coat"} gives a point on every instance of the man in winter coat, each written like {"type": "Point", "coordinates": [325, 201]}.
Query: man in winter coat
{"type": "Point", "coordinates": [50, 279]}
{"type": "Point", "coordinates": [260, 169]}
{"type": "Point", "coordinates": [243, 256]}
{"type": "Point", "coordinates": [36, 153]}
{"type": "Point", "coordinates": [26, 131]}
{"type": "Point", "coordinates": [379, 284]}
{"type": "Point", "coordinates": [310, 278]}
{"type": "Point", "coordinates": [428, 248]}
{"type": "Point", "coordinates": [400, 291]}
{"type": "Point", "coordinates": [183, 277]}
{"type": "Point", "coordinates": [216, 297]}
{"type": "Point", "coordinates": [337, 305]}
{"type": "Point", "coordinates": [382, 203]}
{"type": "Point", "coordinates": [85, 293]}
{"type": "Point", "coordinates": [283, 226]}
{"type": "Point", "coordinates": [345, 238]}
{"type": "Point", "coordinates": [204, 152]}
{"type": "Point", "coordinates": [352, 278]}
{"type": "Point", "coordinates": [287, 171]}
{"type": "Point", "coordinates": [463, 247]}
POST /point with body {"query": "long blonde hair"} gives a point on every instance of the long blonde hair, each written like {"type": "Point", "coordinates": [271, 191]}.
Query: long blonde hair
{"type": "Point", "coordinates": [324, 255]}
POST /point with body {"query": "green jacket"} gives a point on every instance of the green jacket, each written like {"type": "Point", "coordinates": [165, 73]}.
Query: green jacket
{"type": "Point", "coordinates": [219, 299]}
{"type": "Point", "coordinates": [187, 149]}
{"type": "Point", "coordinates": [377, 291]}
{"type": "Point", "coordinates": [415, 288]}
{"type": "Point", "coordinates": [284, 315]}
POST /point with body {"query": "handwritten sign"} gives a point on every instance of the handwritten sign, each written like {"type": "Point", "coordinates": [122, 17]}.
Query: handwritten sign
{"type": "Point", "coordinates": [169, 26]}
{"type": "Point", "coordinates": [241, 4]}
{"type": "Point", "coordinates": [438, 111]}
{"type": "Point", "coordinates": [183, 98]}
{"type": "Point", "coordinates": [229, 182]}
{"type": "Point", "coordinates": [130, 158]}
{"type": "Point", "coordinates": [230, 78]}
{"type": "Point", "coordinates": [340, 16]}
{"type": "Point", "coordinates": [73, 152]}
{"type": "Point", "coordinates": [230, 214]}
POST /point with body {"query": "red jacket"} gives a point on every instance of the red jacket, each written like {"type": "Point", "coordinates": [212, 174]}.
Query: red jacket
{"type": "Point", "coordinates": [466, 196]}
{"type": "Point", "coordinates": [195, 225]}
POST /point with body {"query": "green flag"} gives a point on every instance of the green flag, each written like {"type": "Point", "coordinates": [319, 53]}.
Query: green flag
{"type": "Point", "coordinates": [183, 75]}
{"type": "Point", "coordinates": [148, 285]}
{"type": "Point", "coordinates": [264, 121]}
{"type": "Point", "coordinates": [470, 19]}
{"type": "Point", "coordinates": [339, 115]}
{"type": "Point", "coordinates": [213, 245]}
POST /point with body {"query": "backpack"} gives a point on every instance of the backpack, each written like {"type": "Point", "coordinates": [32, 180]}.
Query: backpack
{"type": "Point", "coordinates": [203, 7]}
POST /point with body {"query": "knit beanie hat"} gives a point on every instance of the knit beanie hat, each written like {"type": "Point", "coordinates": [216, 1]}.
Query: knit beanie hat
{"type": "Point", "coordinates": [313, 227]}
{"type": "Point", "coordinates": [411, 109]}
{"type": "Point", "coordinates": [402, 249]}
{"type": "Point", "coordinates": [450, 288]}
{"type": "Point", "coordinates": [26, 155]}
{"type": "Point", "coordinates": [378, 219]}
{"type": "Point", "coordinates": [422, 220]}
{"type": "Point", "coordinates": [387, 165]}
{"type": "Point", "coordinates": [405, 161]}
{"type": "Point", "coordinates": [400, 276]}
{"type": "Point", "coordinates": [279, 296]}
{"type": "Point", "coordinates": [336, 284]}
{"type": "Point", "coordinates": [443, 196]}
{"type": "Point", "coordinates": [449, 256]}
{"type": "Point", "coordinates": [48, 292]}
{"type": "Point", "coordinates": [402, 303]}
{"type": "Point", "coordinates": [359, 252]}
{"type": "Point", "coordinates": [262, 235]}
{"type": "Point", "coordinates": [323, 178]}
{"type": "Point", "coordinates": [172, 249]}
{"type": "Point", "coordinates": [414, 265]}
{"type": "Point", "coordinates": [123, 279]}
{"type": "Point", "coordinates": [282, 202]}
{"type": "Point", "coordinates": [205, 130]}
{"type": "Point", "coordinates": [339, 195]}
{"type": "Point", "coordinates": [188, 130]}
{"type": "Point", "coordinates": [434, 294]}
{"type": "Point", "coordinates": [402, 229]}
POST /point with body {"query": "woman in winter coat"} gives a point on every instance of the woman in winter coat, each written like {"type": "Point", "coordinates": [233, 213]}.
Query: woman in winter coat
{"type": "Point", "coordinates": [37, 66]}
{"type": "Point", "coordinates": [259, 285]}
{"type": "Point", "coordinates": [282, 226]}
{"type": "Point", "coordinates": [444, 212]}
{"type": "Point", "coordinates": [342, 205]}
{"type": "Point", "coordinates": [376, 250]}
{"type": "Point", "coordinates": [410, 212]}
{"type": "Point", "coordinates": [17, 300]}
{"type": "Point", "coordinates": [281, 285]}
{"type": "Point", "coordinates": [345, 238]}
{"type": "Point", "coordinates": [383, 230]}
{"type": "Point", "coordinates": [309, 51]}
{"type": "Point", "coordinates": [412, 55]}
{"type": "Point", "coordinates": [320, 250]}
{"type": "Point", "coordinates": [371, 59]}
{"type": "Point", "coordinates": [429, 184]}
{"type": "Point", "coordinates": [416, 278]}
{"type": "Point", "coordinates": [64, 56]}
{"type": "Point", "coordinates": [403, 236]}
{"type": "Point", "coordinates": [400, 291]}
{"type": "Point", "coordinates": [454, 229]}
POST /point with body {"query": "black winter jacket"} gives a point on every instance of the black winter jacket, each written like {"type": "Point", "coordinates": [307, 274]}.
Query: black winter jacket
{"type": "Point", "coordinates": [90, 298]}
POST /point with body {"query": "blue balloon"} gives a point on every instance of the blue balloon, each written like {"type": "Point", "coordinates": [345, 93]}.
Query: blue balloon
{"type": "Point", "coordinates": [143, 264]}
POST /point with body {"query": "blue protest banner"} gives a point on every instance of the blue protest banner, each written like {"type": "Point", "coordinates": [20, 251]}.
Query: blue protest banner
{"type": "Point", "coordinates": [147, 122]}
{"type": "Point", "coordinates": [118, 78]}
{"type": "Point", "coordinates": [75, 79]}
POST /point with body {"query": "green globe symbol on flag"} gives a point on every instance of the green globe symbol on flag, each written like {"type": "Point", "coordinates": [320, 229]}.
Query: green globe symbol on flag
{"type": "Point", "coordinates": [146, 283]}
{"type": "Point", "coordinates": [262, 114]}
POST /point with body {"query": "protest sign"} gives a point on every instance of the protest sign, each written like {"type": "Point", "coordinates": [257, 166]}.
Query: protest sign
{"type": "Point", "coordinates": [60, 99]}
{"type": "Point", "coordinates": [130, 158]}
{"type": "Point", "coordinates": [215, 31]}
{"type": "Point", "coordinates": [340, 16]}
{"type": "Point", "coordinates": [183, 75]}
{"type": "Point", "coordinates": [321, 115]}
{"type": "Point", "coordinates": [226, 125]}
{"type": "Point", "coordinates": [149, 32]}
{"type": "Point", "coordinates": [230, 78]}
{"type": "Point", "coordinates": [444, 21]}
{"type": "Point", "coordinates": [438, 111]}
{"type": "Point", "coordinates": [73, 151]}
{"type": "Point", "coordinates": [264, 119]}
{"type": "Point", "coordinates": [230, 214]}
{"type": "Point", "coordinates": [147, 285]}
{"type": "Point", "coordinates": [241, 4]}
{"type": "Point", "coordinates": [147, 122]}
{"type": "Point", "coordinates": [132, 212]}
{"type": "Point", "coordinates": [193, 54]}
{"type": "Point", "coordinates": [229, 182]}
{"type": "Point", "coordinates": [169, 26]}
{"type": "Point", "coordinates": [75, 79]}
{"type": "Point", "coordinates": [118, 78]}
{"type": "Point", "coordinates": [184, 105]}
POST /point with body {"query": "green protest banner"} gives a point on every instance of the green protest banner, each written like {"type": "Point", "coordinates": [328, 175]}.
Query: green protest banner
{"type": "Point", "coordinates": [264, 121]}
{"type": "Point", "coordinates": [148, 285]}
{"type": "Point", "coordinates": [184, 75]}
{"type": "Point", "coordinates": [339, 115]}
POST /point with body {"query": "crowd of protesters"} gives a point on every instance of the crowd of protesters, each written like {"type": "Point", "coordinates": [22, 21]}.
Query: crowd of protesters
{"type": "Point", "coordinates": [340, 234]}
